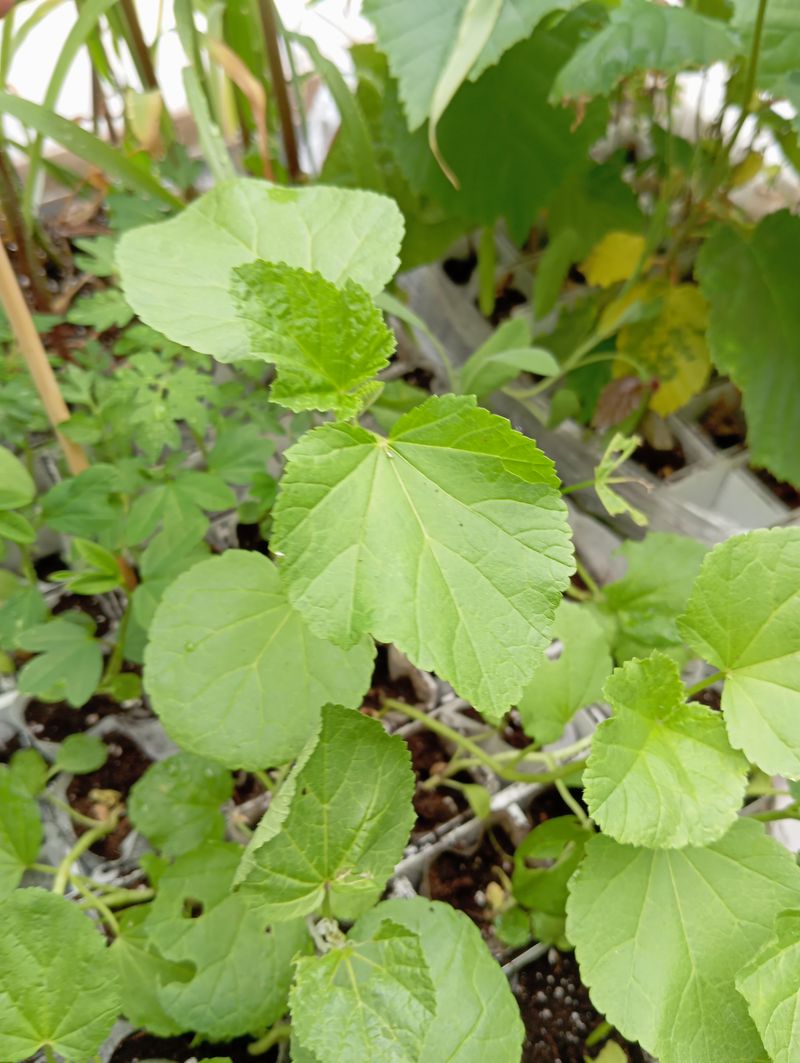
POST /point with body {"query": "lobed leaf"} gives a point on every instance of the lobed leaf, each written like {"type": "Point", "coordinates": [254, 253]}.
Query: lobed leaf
{"type": "Point", "coordinates": [21, 831]}
{"type": "Point", "coordinates": [744, 618]}
{"type": "Point", "coordinates": [770, 984]}
{"type": "Point", "coordinates": [449, 539]}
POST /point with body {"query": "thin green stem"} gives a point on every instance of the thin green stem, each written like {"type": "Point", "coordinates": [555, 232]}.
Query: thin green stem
{"type": "Point", "coordinates": [480, 755]}
{"type": "Point", "coordinates": [114, 666]}
{"type": "Point", "coordinates": [264, 779]}
{"type": "Point", "coordinates": [86, 841]}
{"type": "Point", "coordinates": [85, 821]}
{"type": "Point", "coordinates": [702, 684]}
{"type": "Point", "coordinates": [750, 82]}
{"type": "Point", "coordinates": [790, 812]}
{"type": "Point", "coordinates": [587, 578]}
{"type": "Point", "coordinates": [572, 804]}
{"type": "Point", "coordinates": [49, 1054]}
{"type": "Point", "coordinates": [282, 1031]}
{"type": "Point", "coordinates": [582, 485]}
{"type": "Point", "coordinates": [91, 900]}
{"type": "Point", "coordinates": [122, 898]}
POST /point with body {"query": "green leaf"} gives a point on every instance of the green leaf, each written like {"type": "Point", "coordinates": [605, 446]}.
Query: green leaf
{"type": "Point", "coordinates": [240, 452]}
{"type": "Point", "coordinates": [770, 984]}
{"type": "Point", "coordinates": [397, 398]}
{"type": "Point", "coordinates": [455, 505]}
{"type": "Point", "coordinates": [29, 768]}
{"type": "Point", "coordinates": [17, 528]}
{"type": "Point", "coordinates": [744, 618]}
{"type": "Point", "coordinates": [69, 662]}
{"type": "Point", "coordinates": [101, 311]}
{"type": "Point", "coordinates": [20, 832]}
{"type": "Point", "coordinates": [528, 152]}
{"type": "Point", "coordinates": [215, 151]}
{"type": "Point", "coordinates": [142, 972]}
{"type": "Point", "coordinates": [80, 754]}
{"type": "Point", "coordinates": [421, 40]}
{"type": "Point", "coordinates": [177, 275]}
{"type": "Point", "coordinates": [502, 358]}
{"type": "Point", "coordinates": [96, 255]}
{"type": "Point", "coordinates": [660, 935]}
{"type": "Point", "coordinates": [757, 342]}
{"type": "Point", "coordinates": [780, 38]}
{"type": "Point", "coordinates": [369, 998]}
{"type": "Point", "coordinates": [87, 504]}
{"type": "Point", "coordinates": [243, 968]}
{"type": "Point", "coordinates": [554, 849]}
{"type": "Point", "coordinates": [661, 773]}
{"type": "Point", "coordinates": [647, 600]}
{"type": "Point", "coordinates": [23, 609]}
{"type": "Point", "coordinates": [175, 549]}
{"type": "Point", "coordinates": [575, 679]}
{"type": "Point", "coordinates": [234, 672]}
{"type": "Point", "coordinates": [643, 36]}
{"type": "Point", "coordinates": [91, 149]}
{"type": "Point", "coordinates": [64, 998]}
{"type": "Point", "coordinates": [176, 803]}
{"type": "Point", "coordinates": [619, 449]}
{"type": "Point", "coordinates": [477, 1018]}
{"type": "Point", "coordinates": [339, 826]}
{"type": "Point", "coordinates": [16, 486]}
{"type": "Point", "coordinates": [327, 343]}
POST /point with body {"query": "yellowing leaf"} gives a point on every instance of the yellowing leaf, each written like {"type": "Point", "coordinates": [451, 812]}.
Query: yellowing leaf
{"type": "Point", "coordinates": [613, 259]}
{"type": "Point", "coordinates": [671, 346]}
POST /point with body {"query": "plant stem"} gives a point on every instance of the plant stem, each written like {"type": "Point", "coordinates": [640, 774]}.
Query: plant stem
{"type": "Point", "coordinates": [278, 78]}
{"type": "Point", "coordinates": [497, 766]}
{"type": "Point", "coordinates": [49, 1054]}
{"type": "Point", "coordinates": [282, 1031]}
{"type": "Point", "coordinates": [114, 665]}
{"type": "Point", "coordinates": [790, 812]}
{"type": "Point", "coordinates": [122, 898]}
{"type": "Point", "coordinates": [571, 803]}
{"type": "Point", "coordinates": [86, 841]}
{"type": "Point", "coordinates": [587, 578]}
{"type": "Point", "coordinates": [701, 684]}
{"type": "Point", "coordinates": [92, 901]}
{"type": "Point", "coordinates": [85, 821]}
{"type": "Point", "coordinates": [750, 82]}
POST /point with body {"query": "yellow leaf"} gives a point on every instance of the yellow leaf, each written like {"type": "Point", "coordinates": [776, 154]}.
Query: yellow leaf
{"type": "Point", "coordinates": [613, 259]}
{"type": "Point", "coordinates": [670, 346]}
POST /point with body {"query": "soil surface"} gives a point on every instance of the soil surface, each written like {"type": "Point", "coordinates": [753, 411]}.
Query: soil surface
{"type": "Point", "coordinates": [85, 603]}
{"type": "Point", "coordinates": [55, 720]}
{"type": "Point", "coordinates": [93, 794]}
{"type": "Point", "coordinates": [249, 537]}
{"type": "Point", "coordinates": [461, 878]}
{"type": "Point", "coordinates": [459, 270]}
{"type": "Point", "coordinates": [724, 422]}
{"type": "Point", "coordinates": [433, 807]}
{"type": "Point", "coordinates": [246, 787]}
{"type": "Point", "coordinates": [558, 1014]}
{"type": "Point", "coordinates": [662, 463]}
{"type": "Point", "coordinates": [142, 1046]}
{"type": "Point", "coordinates": [383, 686]}
{"type": "Point", "coordinates": [787, 494]}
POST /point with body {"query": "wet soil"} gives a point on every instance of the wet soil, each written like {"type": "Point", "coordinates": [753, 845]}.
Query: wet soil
{"type": "Point", "coordinates": [434, 808]}
{"type": "Point", "coordinates": [246, 787]}
{"type": "Point", "coordinates": [459, 270]}
{"type": "Point", "coordinates": [786, 493]}
{"type": "Point", "coordinates": [95, 794]}
{"type": "Point", "coordinates": [384, 686]}
{"type": "Point", "coordinates": [662, 463]}
{"type": "Point", "coordinates": [88, 604]}
{"type": "Point", "coordinates": [462, 878]}
{"type": "Point", "coordinates": [249, 537]}
{"type": "Point", "coordinates": [558, 1014]}
{"type": "Point", "coordinates": [143, 1046]}
{"type": "Point", "coordinates": [53, 721]}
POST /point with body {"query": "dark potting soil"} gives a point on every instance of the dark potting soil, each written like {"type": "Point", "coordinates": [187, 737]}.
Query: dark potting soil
{"type": "Point", "coordinates": [710, 697]}
{"type": "Point", "coordinates": [459, 270]}
{"type": "Point", "coordinates": [55, 720]}
{"type": "Point", "coordinates": [9, 748]}
{"type": "Point", "coordinates": [249, 537]}
{"type": "Point", "coordinates": [384, 686]}
{"type": "Point", "coordinates": [787, 494]}
{"type": "Point", "coordinates": [724, 422]}
{"type": "Point", "coordinates": [141, 1046]}
{"type": "Point", "coordinates": [461, 878]}
{"type": "Point", "coordinates": [88, 604]}
{"type": "Point", "coordinates": [513, 733]}
{"type": "Point", "coordinates": [558, 1014]}
{"type": "Point", "coordinates": [662, 463]}
{"type": "Point", "coordinates": [47, 565]}
{"type": "Point", "coordinates": [433, 807]}
{"type": "Point", "coordinates": [549, 803]}
{"type": "Point", "coordinates": [246, 787]}
{"type": "Point", "coordinates": [505, 302]}
{"type": "Point", "coordinates": [126, 763]}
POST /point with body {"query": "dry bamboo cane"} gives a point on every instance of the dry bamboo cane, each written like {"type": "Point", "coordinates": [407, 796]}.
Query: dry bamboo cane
{"type": "Point", "coordinates": [33, 352]}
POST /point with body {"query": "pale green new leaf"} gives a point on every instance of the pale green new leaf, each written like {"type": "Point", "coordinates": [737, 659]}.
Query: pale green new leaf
{"type": "Point", "coordinates": [641, 35]}
{"type": "Point", "coordinates": [660, 935]}
{"type": "Point", "coordinates": [661, 773]}
{"type": "Point", "coordinates": [176, 803]}
{"type": "Point", "coordinates": [420, 39]}
{"type": "Point", "coordinates": [339, 828]}
{"type": "Point", "coordinates": [477, 1018]}
{"type": "Point", "coordinates": [16, 486]}
{"type": "Point", "coordinates": [177, 274]}
{"type": "Point", "coordinates": [243, 969]}
{"type": "Point", "coordinates": [448, 539]}
{"type": "Point", "coordinates": [744, 618]}
{"type": "Point", "coordinates": [233, 671]}
{"type": "Point", "coordinates": [327, 343]}
{"type": "Point", "coordinates": [647, 600]}
{"type": "Point", "coordinates": [505, 355]}
{"type": "Point", "coordinates": [20, 829]}
{"type": "Point", "coordinates": [58, 985]}
{"type": "Point", "coordinates": [81, 754]}
{"type": "Point", "coordinates": [754, 331]}
{"type": "Point", "coordinates": [770, 984]}
{"type": "Point", "coordinates": [780, 38]}
{"type": "Point", "coordinates": [369, 999]}
{"type": "Point", "coordinates": [544, 863]}
{"type": "Point", "coordinates": [575, 679]}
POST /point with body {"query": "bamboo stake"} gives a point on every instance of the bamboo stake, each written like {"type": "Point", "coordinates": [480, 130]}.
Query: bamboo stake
{"type": "Point", "coordinates": [278, 77]}
{"type": "Point", "coordinates": [39, 367]}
